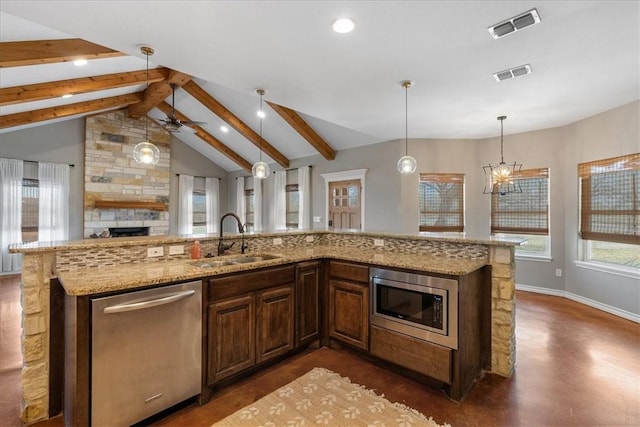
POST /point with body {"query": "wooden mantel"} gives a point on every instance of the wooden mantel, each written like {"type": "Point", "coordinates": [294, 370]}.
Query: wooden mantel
{"type": "Point", "coordinates": [130, 204]}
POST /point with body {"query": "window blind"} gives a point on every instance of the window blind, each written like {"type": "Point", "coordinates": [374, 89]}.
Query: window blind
{"type": "Point", "coordinates": [441, 202]}
{"type": "Point", "coordinates": [610, 199]}
{"type": "Point", "coordinates": [526, 212]}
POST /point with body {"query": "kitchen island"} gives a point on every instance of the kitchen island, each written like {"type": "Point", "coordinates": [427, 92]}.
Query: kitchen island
{"type": "Point", "coordinates": [101, 266]}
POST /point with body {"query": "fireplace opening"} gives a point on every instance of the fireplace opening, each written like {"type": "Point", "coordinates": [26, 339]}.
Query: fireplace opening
{"type": "Point", "coordinates": [128, 231]}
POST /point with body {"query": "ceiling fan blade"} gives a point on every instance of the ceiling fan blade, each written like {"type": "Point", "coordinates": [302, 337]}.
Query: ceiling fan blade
{"type": "Point", "coordinates": [193, 123]}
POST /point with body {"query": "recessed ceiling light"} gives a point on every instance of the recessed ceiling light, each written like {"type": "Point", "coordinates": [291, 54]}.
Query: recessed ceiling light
{"type": "Point", "coordinates": [80, 62]}
{"type": "Point", "coordinates": [67, 95]}
{"type": "Point", "coordinates": [343, 25]}
{"type": "Point", "coordinates": [224, 129]}
{"type": "Point", "coordinates": [261, 114]}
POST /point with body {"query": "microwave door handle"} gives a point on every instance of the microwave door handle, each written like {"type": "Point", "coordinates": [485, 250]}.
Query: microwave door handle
{"type": "Point", "coordinates": [120, 308]}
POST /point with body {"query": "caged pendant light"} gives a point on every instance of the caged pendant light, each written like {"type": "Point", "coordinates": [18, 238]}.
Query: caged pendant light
{"type": "Point", "coordinates": [503, 178]}
{"type": "Point", "coordinates": [407, 164]}
{"type": "Point", "coordinates": [260, 169]}
{"type": "Point", "coordinates": [145, 152]}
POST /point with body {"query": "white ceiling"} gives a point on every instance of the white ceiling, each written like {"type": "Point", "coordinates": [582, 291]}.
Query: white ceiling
{"type": "Point", "coordinates": [585, 57]}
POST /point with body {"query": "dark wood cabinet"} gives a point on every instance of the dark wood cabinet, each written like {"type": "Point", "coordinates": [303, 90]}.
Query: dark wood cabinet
{"type": "Point", "coordinates": [250, 320]}
{"type": "Point", "coordinates": [307, 297]}
{"type": "Point", "coordinates": [274, 323]}
{"type": "Point", "coordinates": [231, 332]}
{"type": "Point", "coordinates": [349, 303]}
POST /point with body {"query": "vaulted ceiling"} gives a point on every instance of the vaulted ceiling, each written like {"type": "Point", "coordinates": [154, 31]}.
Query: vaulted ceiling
{"type": "Point", "coordinates": [325, 91]}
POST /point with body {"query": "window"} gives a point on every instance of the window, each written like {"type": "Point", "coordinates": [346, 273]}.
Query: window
{"type": "Point", "coordinates": [249, 209]}
{"type": "Point", "coordinates": [199, 211]}
{"type": "Point", "coordinates": [30, 210]}
{"type": "Point", "coordinates": [526, 214]}
{"type": "Point", "coordinates": [610, 210]}
{"type": "Point", "coordinates": [441, 202]}
{"type": "Point", "coordinates": [293, 205]}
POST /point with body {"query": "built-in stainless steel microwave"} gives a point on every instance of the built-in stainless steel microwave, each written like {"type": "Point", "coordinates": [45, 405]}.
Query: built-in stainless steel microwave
{"type": "Point", "coordinates": [424, 307]}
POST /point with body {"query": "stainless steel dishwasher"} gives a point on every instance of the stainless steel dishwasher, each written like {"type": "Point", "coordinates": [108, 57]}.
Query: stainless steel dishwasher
{"type": "Point", "coordinates": [146, 352]}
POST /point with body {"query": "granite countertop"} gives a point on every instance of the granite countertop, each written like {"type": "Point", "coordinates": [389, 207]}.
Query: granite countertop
{"type": "Point", "coordinates": [89, 281]}
{"type": "Point", "coordinates": [35, 247]}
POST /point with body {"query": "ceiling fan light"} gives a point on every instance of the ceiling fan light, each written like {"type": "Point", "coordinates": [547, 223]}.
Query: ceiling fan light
{"type": "Point", "coordinates": [260, 170]}
{"type": "Point", "coordinates": [146, 153]}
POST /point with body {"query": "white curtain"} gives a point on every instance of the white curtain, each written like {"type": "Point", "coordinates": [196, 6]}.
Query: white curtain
{"type": "Point", "coordinates": [10, 213]}
{"type": "Point", "coordinates": [53, 188]}
{"type": "Point", "coordinates": [304, 193]}
{"type": "Point", "coordinates": [257, 204]}
{"type": "Point", "coordinates": [212, 195]}
{"type": "Point", "coordinates": [240, 206]}
{"type": "Point", "coordinates": [185, 204]}
{"type": "Point", "coordinates": [280, 205]}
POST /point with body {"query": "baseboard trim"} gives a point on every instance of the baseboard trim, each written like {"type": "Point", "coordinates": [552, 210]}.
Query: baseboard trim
{"type": "Point", "coordinates": [578, 298]}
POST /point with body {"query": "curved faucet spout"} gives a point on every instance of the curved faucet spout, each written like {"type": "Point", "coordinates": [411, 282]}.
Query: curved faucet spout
{"type": "Point", "coordinates": [221, 246]}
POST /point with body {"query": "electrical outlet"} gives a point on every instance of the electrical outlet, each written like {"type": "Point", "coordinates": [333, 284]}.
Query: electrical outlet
{"type": "Point", "coordinates": [378, 242]}
{"type": "Point", "coordinates": [558, 272]}
{"type": "Point", "coordinates": [277, 241]}
{"type": "Point", "coordinates": [155, 252]}
{"type": "Point", "coordinates": [308, 239]}
{"type": "Point", "coordinates": [176, 250]}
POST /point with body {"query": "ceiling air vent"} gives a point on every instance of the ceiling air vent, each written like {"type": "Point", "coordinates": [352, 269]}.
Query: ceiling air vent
{"type": "Point", "coordinates": [512, 72]}
{"type": "Point", "coordinates": [514, 24]}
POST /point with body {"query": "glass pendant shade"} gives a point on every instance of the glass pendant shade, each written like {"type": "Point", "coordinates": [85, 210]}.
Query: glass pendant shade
{"type": "Point", "coordinates": [260, 170]}
{"type": "Point", "coordinates": [407, 165]}
{"type": "Point", "coordinates": [146, 153]}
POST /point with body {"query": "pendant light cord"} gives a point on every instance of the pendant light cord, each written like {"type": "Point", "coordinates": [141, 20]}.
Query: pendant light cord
{"type": "Point", "coordinates": [501, 118]}
{"type": "Point", "coordinates": [260, 141]}
{"type": "Point", "coordinates": [146, 91]}
{"type": "Point", "coordinates": [406, 120]}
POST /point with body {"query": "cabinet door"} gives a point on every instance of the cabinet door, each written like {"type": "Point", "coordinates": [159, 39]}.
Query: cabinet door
{"type": "Point", "coordinates": [231, 337]}
{"type": "Point", "coordinates": [307, 310]}
{"type": "Point", "coordinates": [349, 313]}
{"type": "Point", "coordinates": [275, 323]}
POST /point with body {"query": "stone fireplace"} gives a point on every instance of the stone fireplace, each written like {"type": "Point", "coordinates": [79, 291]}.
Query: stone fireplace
{"type": "Point", "coordinates": [118, 192]}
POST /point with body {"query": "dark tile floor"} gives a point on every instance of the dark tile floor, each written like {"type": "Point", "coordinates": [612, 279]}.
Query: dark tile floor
{"type": "Point", "coordinates": [576, 366]}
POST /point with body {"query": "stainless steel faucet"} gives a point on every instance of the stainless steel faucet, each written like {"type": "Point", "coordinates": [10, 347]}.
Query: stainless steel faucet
{"type": "Point", "coordinates": [221, 246]}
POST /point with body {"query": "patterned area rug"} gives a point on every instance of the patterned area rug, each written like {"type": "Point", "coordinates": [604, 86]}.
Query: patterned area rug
{"type": "Point", "coordinates": [322, 397]}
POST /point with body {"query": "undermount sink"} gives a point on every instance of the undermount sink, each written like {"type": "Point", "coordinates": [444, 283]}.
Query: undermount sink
{"type": "Point", "coordinates": [233, 260]}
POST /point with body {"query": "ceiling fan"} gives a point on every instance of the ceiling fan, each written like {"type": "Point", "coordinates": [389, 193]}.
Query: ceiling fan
{"type": "Point", "coordinates": [172, 123]}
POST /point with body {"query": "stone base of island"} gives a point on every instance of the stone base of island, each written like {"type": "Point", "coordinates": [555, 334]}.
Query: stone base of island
{"type": "Point", "coordinates": [99, 266]}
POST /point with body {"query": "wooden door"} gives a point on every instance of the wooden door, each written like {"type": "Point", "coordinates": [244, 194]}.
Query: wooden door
{"type": "Point", "coordinates": [231, 335]}
{"type": "Point", "coordinates": [349, 313]}
{"type": "Point", "coordinates": [275, 323]}
{"type": "Point", "coordinates": [307, 305]}
{"type": "Point", "coordinates": [345, 203]}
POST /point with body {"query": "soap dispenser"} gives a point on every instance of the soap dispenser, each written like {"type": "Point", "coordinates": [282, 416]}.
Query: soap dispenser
{"type": "Point", "coordinates": [196, 250]}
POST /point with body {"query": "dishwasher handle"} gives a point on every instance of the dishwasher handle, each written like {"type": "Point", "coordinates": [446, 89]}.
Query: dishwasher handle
{"type": "Point", "coordinates": [120, 308]}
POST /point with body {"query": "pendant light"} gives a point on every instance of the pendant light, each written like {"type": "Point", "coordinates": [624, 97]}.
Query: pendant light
{"type": "Point", "coordinates": [502, 179]}
{"type": "Point", "coordinates": [407, 164]}
{"type": "Point", "coordinates": [260, 169]}
{"type": "Point", "coordinates": [145, 152]}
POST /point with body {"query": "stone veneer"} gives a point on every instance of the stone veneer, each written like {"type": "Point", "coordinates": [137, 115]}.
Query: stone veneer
{"type": "Point", "coordinates": [40, 266]}
{"type": "Point", "coordinates": [112, 174]}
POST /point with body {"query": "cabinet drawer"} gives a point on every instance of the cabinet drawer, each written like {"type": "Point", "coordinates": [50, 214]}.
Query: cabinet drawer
{"type": "Point", "coordinates": [428, 359]}
{"type": "Point", "coordinates": [244, 283]}
{"type": "Point", "coordinates": [349, 271]}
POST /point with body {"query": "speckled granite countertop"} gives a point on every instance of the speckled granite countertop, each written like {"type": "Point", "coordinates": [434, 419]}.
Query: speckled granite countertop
{"type": "Point", "coordinates": [91, 281]}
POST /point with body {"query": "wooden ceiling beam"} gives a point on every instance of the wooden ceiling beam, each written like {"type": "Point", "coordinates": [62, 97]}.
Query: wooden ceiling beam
{"type": "Point", "coordinates": [49, 90]}
{"type": "Point", "coordinates": [34, 52]}
{"type": "Point", "coordinates": [157, 93]}
{"type": "Point", "coordinates": [232, 120]}
{"type": "Point", "coordinates": [208, 138]}
{"type": "Point", "coordinates": [28, 117]}
{"type": "Point", "coordinates": [302, 127]}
